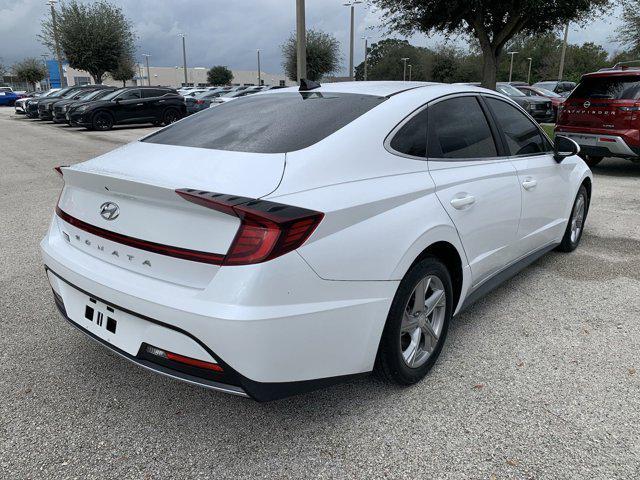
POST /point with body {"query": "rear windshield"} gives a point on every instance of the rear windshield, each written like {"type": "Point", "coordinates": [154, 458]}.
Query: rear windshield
{"type": "Point", "coordinates": [269, 123]}
{"type": "Point", "coordinates": [615, 88]}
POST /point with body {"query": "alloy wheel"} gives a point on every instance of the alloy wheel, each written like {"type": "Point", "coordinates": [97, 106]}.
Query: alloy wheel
{"type": "Point", "coordinates": [422, 321]}
{"type": "Point", "coordinates": [577, 218]}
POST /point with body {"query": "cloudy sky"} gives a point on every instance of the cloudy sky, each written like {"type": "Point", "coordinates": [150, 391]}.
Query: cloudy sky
{"type": "Point", "coordinates": [228, 32]}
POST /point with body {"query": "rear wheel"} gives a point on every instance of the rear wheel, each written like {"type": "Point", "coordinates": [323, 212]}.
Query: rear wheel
{"type": "Point", "coordinates": [575, 227]}
{"type": "Point", "coordinates": [102, 121]}
{"type": "Point", "coordinates": [417, 324]}
{"type": "Point", "coordinates": [170, 116]}
{"type": "Point", "coordinates": [592, 161]}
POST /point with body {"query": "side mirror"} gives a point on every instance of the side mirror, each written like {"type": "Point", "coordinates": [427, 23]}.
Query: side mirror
{"type": "Point", "coordinates": [564, 147]}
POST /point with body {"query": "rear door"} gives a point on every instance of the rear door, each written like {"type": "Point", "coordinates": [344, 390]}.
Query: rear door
{"type": "Point", "coordinates": [154, 103]}
{"type": "Point", "coordinates": [545, 184]}
{"type": "Point", "coordinates": [477, 186]}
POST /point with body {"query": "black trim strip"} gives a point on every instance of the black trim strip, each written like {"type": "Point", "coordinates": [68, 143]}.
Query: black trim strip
{"type": "Point", "coordinates": [260, 391]}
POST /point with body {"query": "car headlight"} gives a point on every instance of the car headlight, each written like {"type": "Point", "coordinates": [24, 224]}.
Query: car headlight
{"type": "Point", "coordinates": [527, 106]}
{"type": "Point", "coordinates": [82, 108]}
{"type": "Point", "coordinates": [65, 108]}
{"type": "Point", "coordinates": [50, 106]}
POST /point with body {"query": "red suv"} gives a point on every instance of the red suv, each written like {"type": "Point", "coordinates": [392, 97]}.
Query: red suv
{"type": "Point", "coordinates": [602, 115]}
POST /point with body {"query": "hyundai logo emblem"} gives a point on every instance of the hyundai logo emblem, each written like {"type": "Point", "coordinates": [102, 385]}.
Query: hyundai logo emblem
{"type": "Point", "coordinates": [587, 104]}
{"type": "Point", "coordinates": [109, 211]}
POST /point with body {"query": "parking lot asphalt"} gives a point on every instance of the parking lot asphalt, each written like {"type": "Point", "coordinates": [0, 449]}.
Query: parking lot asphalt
{"type": "Point", "coordinates": [541, 379]}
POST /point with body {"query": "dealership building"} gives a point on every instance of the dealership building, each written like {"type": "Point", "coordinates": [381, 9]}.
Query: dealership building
{"type": "Point", "coordinates": [166, 76]}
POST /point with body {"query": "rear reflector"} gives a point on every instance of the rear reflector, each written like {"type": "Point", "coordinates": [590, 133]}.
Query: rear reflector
{"type": "Point", "coordinates": [267, 229]}
{"type": "Point", "coordinates": [605, 139]}
{"type": "Point", "coordinates": [174, 357]}
{"type": "Point", "coordinates": [59, 169]}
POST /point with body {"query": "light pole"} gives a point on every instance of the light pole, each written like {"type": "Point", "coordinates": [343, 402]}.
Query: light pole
{"type": "Point", "coordinates": [56, 43]}
{"type": "Point", "coordinates": [511, 67]}
{"type": "Point", "coordinates": [146, 58]}
{"type": "Point", "coordinates": [410, 66]}
{"type": "Point", "coordinates": [404, 71]}
{"type": "Point", "coordinates": [351, 4]}
{"type": "Point", "coordinates": [184, 58]}
{"type": "Point", "coordinates": [529, 72]}
{"type": "Point", "coordinates": [301, 40]}
{"type": "Point", "coordinates": [259, 75]}
{"type": "Point", "coordinates": [44, 62]}
{"type": "Point", "coordinates": [564, 52]}
{"type": "Point", "coordinates": [366, 55]}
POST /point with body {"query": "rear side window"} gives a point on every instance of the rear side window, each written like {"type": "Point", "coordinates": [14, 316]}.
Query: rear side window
{"type": "Point", "coordinates": [269, 123]}
{"type": "Point", "coordinates": [411, 139]}
{"type": "Point", "coordinates": [459, 129]}
{"type": "Point", "coordinates": [614, 88]}
{"type": "Point", "coordinates": [522, 135]}
{"type": "Point", "coordinates": [153, 92]}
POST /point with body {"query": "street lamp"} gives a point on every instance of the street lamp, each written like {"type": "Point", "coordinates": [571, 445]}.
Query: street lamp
{"type": "Point", "coordinates": [511, 67]}
{"type": "Point", "coordinates": [529, 72]}
{"type": "Point", "coordinates": [301, 41]}
{"type": "Point", "coordinates": [146, 57]}
{"type": "Point", "coordinates": [259, 76]}
{"type": "Point", "coordinates": [366, 55]}
{"type": "Point", "coordinates": [410, 66]}
{"type": "Point", "coordinates": [184, 58]}
{"type": "Point", "coordinates": [351, 4]}
{"type": "Point", "coordinates": [404, 72]}
{"type": "Point", "coordinates": [44, 61]}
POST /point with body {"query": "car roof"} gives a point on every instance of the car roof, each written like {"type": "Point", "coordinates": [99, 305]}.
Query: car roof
{"type": "Point", "coordinates": [624, 72]}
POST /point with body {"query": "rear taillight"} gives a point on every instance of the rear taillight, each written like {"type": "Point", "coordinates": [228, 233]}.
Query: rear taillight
{"type": "Point", "coordinates": [174, 357]}
{"type": "Point", "coordinates": [59, 169]}
{"type": "Point", "coordinates": [267, 229]}
{"type": "Point", "coordinates": [199, 102]}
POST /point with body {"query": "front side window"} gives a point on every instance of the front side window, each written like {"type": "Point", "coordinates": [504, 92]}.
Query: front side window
{"type": "Point", "coordinates": [270, 123]}
{"type": "Point", "coordinates": [522, 135]}
{"type": "Point", "coordinates": [458, 129]}
{"type": "Point", "coordinates": [129, 95]}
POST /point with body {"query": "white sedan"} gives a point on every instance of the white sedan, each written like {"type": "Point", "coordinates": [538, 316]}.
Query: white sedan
{"type": "Point", "coordinates": [293, 239]}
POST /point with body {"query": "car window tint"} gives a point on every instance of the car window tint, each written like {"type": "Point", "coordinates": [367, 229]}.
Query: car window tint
{"type": "Point", "coordinates": [523, 135]}
{"type": "Point", "coordinates": [152, 92]}
{"type": "Point", "coordinates": [616, 88]}
{"type": "Point", "coordinates": [411, 139]}
{"type": "Point", "coordinates": [129, 95]}
{"type": "Point", "coordinates": [459, 129]}
{"type": "Point", "coordinates": [269, 123]}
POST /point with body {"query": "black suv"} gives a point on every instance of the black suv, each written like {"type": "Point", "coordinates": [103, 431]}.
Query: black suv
{"type": "Point", "coordinates": [130, 105]}
{"type": "Point", "coordinates": [61, 108]}
{"type": "Point", "coordinates": [45, 106]}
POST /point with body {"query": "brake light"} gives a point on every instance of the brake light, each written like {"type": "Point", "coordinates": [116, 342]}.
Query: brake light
{"type": "Point", "coordinates": [174, 357]}
{"type": "Point", "coordinates": [59, 168]}
{"type": "Point", "coordinates": [199, 102]}
{"type": "Point", "coordinates": [267, 229]}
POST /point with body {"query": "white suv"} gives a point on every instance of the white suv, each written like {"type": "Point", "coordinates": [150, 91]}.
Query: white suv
{"type": "Point", "coordinates": [292, 239]}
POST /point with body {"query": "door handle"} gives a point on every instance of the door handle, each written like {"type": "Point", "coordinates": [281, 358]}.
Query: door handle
{"type": "Point", "coordinates": [460, 203]}
{"type": "Point", "coordinates": [139, 104]}
{"type": "Point", "coordinates": [529, 184]}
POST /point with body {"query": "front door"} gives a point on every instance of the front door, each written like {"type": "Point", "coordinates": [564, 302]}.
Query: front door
{"type": "Point", "coordinates": [545, 184]}
{"type": "Point", "coordinates": [478, 188]}
{"type": "Point", "coordinates": [130, 106]}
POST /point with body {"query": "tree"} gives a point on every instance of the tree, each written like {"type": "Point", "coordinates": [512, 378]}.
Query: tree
{"type": "Point", "coordinates": [628, 34]}
{"type": "Point", "coordinates": [125, 70]}
{"type": "Point", "coordinates": [93, 37]}
{"type": "Point", "coordinates": [491, 23]}
{"type": "Point", "coordinates": [323, 55]}
{"type": "Point", "coordinates": [384, 61]}
{"type": "Point", "coordinates": [30, 70]}
{"type": "Point", "coordinates": [219, 75]}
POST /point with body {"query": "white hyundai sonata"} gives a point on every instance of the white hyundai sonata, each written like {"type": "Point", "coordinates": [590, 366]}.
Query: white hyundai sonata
{"type": "Point", "coordinates": [296, 238]}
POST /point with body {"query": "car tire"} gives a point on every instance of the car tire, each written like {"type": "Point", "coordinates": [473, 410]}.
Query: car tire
{"type": "Point", "coordinates": [575, 226]}
{"type": "Point", "coordinates": [170, 116]}
{"type": "Point", "coordinates": [592, 161]}
{"type": "Point", "coordinates": [102, 121]}
{"type": "Point", "coordinates": [414, 334]}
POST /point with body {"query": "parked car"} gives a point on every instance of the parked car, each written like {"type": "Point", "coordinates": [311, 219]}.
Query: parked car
{"type": "Point", "coordinates": [539, 108]}
{"type": "Point", "coordinates": [236, 94]}
{"type": "Point", "coordinates": [61, 108]}
{"type": "Point", "coordinates": [45, 106]}
{"type": "Point", "coordinates": [203, 100]}
{"type": "Point", "coordinates": [128, 106]}
{"type": "Point", "coordinates": [194, 252]}
{"type": "Point", "coordinates": [8, 97]}
{"type": "Point", "coordinates": [20, 104]}
{"type": "Point", "coordinates": [602, 115]}
{"type": "Point", "coordinates": [31, 104]}
{"type": "Point", "coordinates": [556, 98]}
{"type": "Point", "coordinates": [563, 88]}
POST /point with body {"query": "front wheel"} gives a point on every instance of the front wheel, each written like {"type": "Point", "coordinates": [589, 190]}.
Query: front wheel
{"type": "Point", "coordinates": [170, 116]}
{"type": "Point", "coordinates": [417, 323]}
{"type": "Point", "coordinates": [575, 227]}
{"type": "Point", "coordinates": [102, 121]}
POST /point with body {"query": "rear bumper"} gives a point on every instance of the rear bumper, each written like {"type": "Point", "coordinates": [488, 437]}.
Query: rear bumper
{"type": "Point", "coordinates": [601, 145]}
{"type": "Point", "coordinates": [276, 327]}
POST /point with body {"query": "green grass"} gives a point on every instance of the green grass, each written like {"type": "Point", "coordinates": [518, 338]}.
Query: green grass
{"type": "Point", "coordinates": [548, 127]}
